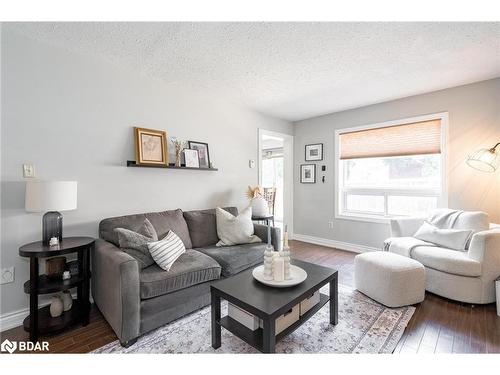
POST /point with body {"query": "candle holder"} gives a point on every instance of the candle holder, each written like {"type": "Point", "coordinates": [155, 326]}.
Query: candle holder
{"type": "Point", "coordinates": [268, 263]}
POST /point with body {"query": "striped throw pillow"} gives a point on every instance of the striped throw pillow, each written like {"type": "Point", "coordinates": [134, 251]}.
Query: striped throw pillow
{"type": "Point", "coordinates": [166, 251]}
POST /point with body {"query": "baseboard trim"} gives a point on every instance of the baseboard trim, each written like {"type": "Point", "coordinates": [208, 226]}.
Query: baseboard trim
{"type": "Point", "coordinates": [355, 248]}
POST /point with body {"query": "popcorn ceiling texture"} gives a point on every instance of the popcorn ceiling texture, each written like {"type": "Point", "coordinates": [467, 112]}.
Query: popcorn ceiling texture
{"type": "Point", "coordinates": [291, 70]}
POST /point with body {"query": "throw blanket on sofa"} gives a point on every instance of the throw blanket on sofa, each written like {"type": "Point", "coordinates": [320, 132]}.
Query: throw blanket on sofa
{"type": "Point", "coordinates": [444, 218]}
{"type": "Point", "coordinates": [403, 245]}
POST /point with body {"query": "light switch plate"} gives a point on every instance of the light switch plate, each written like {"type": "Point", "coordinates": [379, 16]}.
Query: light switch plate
{"type": "Point", "coordinates": [7, 275]}
{"type": "Point", "coordinates": [28, 171]}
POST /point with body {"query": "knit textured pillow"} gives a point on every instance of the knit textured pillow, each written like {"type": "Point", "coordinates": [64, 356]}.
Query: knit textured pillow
{"type": "Point", "coordinates": [166, 251]}
{"type": "Point", "coordinates": [135, 243]}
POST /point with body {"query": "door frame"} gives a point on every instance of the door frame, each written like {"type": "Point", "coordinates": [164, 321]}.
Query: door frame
{"type": "Point", "coordinates": [287, 173]}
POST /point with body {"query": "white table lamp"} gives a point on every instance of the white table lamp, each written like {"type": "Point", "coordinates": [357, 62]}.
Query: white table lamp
{"type": "Point", "coordinates": [51, 197]}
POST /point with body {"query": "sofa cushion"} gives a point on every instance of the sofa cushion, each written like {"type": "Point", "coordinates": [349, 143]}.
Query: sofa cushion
{"type": "Point", "coordinates": [203, 226]}
{"type": "Point", "coordinates": [234, 259]}
{"type": "Point", "coordinates": [455, 239]}
{"type": "Point", "coordinates": [135, 244]}
{"type": "Point", "coordinates": [162, 222]}
{"type": "Point", "coordinates": [447, 260]}
{"type": "Point", "coordinates": [189, 269]}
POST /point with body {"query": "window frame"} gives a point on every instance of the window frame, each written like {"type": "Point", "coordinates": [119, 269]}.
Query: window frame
{"type": "Point", "coordinates": [341, 192]}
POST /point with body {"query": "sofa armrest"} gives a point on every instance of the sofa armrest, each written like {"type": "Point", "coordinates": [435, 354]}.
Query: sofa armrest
{"type": "Point", "coordinates": [260, 230]}
{"type": "Point", "coordinates": [115, 289]}
{"type": "Point", "coordinates": [405, 227]}
{"type": "Point", "coordinates": [485, 248]}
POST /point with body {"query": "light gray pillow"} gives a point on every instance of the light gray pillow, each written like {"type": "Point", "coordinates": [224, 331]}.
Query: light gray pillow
{"type": "Point", "coordinates": [455, 239]}
{"type": "Point", "coordinates": [166, 251]}
{"type": "Point", "coordinates": [135, 243]}
{"type": "Point", "coordinates": [235, 230]}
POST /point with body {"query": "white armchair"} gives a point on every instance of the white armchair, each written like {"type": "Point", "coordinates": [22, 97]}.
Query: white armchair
{"type": "Point", "coordinates": [467, 276]}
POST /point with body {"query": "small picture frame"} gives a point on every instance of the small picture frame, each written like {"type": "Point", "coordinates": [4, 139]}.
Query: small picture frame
{"type": "Point", "coordinates": [191, 158]}
{"type": "Point", "coordinates": [203, 154]}
{"type": "Point", "coordinates": [150, 146]}
{"type": "Point", "coordinates": [308, 173]}
{"type": "Point", "coordinates": [314, 152]}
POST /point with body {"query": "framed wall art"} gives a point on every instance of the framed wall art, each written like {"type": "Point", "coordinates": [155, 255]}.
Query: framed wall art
{"type": "Point", "coordinates": [203, 154]}
{"type": "Point", "coordinates": [308, 173]}
{"type": "Point", "coordinates": [314, 152]}
{"type": "Point", "coordinates": [150, 146]}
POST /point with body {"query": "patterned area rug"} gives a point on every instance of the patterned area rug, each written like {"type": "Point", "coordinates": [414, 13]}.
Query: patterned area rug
{"type": "Point", "coordinates": [365, 326]}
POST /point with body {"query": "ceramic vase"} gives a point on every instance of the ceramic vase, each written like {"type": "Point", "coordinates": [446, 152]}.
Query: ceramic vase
{"type": "Point", "coordinates": [56, 306]}
{"type": "Point", "coordinates": [67, 300]}
{"type": "Point", "coordinates": [259, 207]}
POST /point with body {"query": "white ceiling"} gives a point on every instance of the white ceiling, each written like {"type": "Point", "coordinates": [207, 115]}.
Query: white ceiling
{"type": "Point", "coordinates": [292, 70]}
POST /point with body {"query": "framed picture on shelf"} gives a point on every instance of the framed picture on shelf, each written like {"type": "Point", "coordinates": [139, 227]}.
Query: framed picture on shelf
{"type": "Point", "coordinates": [314, 152]}
{"type": "Point", "coordinates": [191, 157]}
{"type": "Point", "coordinates": [150, 146]}
{"type": "Point", "coordinates": [308, 173]}
{"type": "Point", "coordinates": [203, 154]}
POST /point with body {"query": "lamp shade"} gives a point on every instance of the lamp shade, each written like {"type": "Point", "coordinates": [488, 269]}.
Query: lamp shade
{"type": "Point", "coordinates": [44, 196]}
{"type": "Point", "coordinates": [485, 160]}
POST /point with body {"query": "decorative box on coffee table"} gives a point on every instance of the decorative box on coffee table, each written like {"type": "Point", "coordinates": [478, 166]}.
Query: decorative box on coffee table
{"type": "Point", "coordinates": [271, 305]}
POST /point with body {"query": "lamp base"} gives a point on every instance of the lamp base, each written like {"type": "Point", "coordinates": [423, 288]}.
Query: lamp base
{"type": "Point", "coordinates": [52, 226]}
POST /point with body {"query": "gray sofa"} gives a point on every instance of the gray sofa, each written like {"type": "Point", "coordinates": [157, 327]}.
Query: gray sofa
{"type": "Point", "coordinates": [135, 301]}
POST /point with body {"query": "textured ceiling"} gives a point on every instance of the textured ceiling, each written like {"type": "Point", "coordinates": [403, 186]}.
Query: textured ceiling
{"type": "Point", "coordinates": [292, 70]}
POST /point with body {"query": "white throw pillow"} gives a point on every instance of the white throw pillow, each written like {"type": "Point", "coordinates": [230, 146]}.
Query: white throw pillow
{"type": "Point", "coordinates": [235, 230]}
{"type": "Point", "coordinates": [455, 239]}
{"type": "Point", "coordinates": [166, 251]}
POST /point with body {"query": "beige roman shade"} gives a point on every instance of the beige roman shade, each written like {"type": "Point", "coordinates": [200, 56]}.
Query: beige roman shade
{"type": "Point", "coordinates": [416, 138]}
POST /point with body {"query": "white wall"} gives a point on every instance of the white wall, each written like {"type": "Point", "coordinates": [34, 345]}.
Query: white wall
{"type": "Point", "coordinates": [474, 122]}
{"type": "Point", "coordinates": [72, 117]}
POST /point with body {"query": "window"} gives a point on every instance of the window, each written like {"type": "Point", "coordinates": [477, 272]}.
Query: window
{"type": "Point", "coordinates": [391, 169]}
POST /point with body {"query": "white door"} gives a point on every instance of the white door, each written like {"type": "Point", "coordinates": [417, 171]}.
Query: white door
{"type": "Point", "coordinates": [276, 170]}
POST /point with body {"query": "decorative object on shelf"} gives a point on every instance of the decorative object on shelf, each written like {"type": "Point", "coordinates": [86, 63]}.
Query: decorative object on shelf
{"type": "Point", "coordinates": [260, 207]}
{"type": "Point", "coordinates": [51, 197]}
{"type": "Point", "coordinates": [54, 267]}
{"type": "Point", "coordinates": [66, 275]}
{"type": "Point", "coordinates": [67, 300]}
{"type": "Point", "coordinates": [56, 306]}
{"type": "Point", "coordinates": [150, 146]}
{"type": "Point", "coordinates": [286, 255]}
{"type": "Point", "coordinates": [73, 267]}
{"type": "Point", "coordinates": [308, 173]}
{"type": "Point", "coordinates": [178, 147]}
{"type": "Point", "coordinates": [203, 153]}
{"type": "Point", "coordinates": [191, 157]}
{"type": "Point", "coordinates": [485, 159]}
{"type": "Point", "coordinates": [314, 152]}
{"type": "Point", "coordinates": [54, 241]}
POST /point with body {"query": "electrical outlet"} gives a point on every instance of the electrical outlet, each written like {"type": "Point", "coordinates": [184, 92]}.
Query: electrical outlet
{"type": "Point", "coordinates": [28, 171]}
{"type": "Point", "coordinates": [330, 224]}
{"type": "Point", "coordinates": [7, 275]}
{"type": "Point", "coordinates": [251, 163]}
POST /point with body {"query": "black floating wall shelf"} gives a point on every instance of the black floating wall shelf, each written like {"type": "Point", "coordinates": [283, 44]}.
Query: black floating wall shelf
{"type": "Point", "coordinates": [132, 163]}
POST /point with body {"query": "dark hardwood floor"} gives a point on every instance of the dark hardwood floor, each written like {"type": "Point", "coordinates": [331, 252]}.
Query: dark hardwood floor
{"type": "Point", "coordinates": [438, 325]}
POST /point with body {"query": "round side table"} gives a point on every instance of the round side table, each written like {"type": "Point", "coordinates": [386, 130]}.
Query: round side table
{"type": "Point", "coordinates": [40, 321]}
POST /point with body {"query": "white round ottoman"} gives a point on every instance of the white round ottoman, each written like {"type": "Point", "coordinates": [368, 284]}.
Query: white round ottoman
{"type": "Point", "coordinates": [391, 279]}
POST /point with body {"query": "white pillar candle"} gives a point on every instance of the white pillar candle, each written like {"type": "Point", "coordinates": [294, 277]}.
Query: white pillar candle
{"type": "Point", "coordinates": [279, 269]}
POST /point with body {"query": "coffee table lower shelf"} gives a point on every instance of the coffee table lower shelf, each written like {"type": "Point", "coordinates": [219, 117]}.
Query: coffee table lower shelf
{"type": "Point", "coordinates": [255, 338]}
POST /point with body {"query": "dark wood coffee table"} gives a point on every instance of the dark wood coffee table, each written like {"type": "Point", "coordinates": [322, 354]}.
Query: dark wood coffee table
{"type": "Point", "coordinates": [269, 303]}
